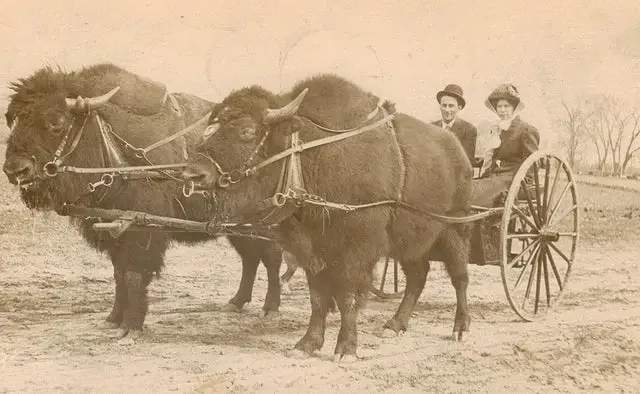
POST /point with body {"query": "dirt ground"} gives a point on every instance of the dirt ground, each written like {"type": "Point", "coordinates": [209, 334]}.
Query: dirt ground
{"type": "Point", "coordinates": [55, 293]}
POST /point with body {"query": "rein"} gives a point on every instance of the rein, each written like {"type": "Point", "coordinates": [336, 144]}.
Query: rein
{"type": "Point", "coordinates": [295, 192]}
{"type": "Point", "coordinates": [225, 178]}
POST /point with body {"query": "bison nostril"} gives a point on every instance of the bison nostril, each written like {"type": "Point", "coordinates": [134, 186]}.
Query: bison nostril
{"type": "Point", "coordinates": [18, 173]}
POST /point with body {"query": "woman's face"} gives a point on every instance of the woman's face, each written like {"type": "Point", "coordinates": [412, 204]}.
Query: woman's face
{"type": "Point", "coordinates": [504, 109]}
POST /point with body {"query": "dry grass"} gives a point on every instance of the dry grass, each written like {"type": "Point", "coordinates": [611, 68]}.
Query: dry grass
{"type": "Point", "coordinates": [55, 291]}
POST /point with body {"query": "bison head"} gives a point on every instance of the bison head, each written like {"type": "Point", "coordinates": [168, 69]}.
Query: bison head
{"type": "Point", "coordinates": [40, 115]}
{"type": "Point", "coordinates": [236, 133]}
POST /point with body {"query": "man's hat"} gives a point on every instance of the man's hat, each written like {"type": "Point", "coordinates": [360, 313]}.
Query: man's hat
{"type": "Point", "coordinates": [508, 92]}
{"type": "Point", "coordinates": [453, 91]}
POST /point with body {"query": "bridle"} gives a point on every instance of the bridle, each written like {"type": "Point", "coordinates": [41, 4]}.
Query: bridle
{"type": "Point", "coordinates": [52, 167]}
{"type": "Point", "coordinates": [227, 178]}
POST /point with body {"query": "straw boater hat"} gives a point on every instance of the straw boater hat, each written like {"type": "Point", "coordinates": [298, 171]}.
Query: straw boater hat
{"type": "Point", "coordinates": [507, 92]}
{"type": "Point", "coordinates": [453, 91]}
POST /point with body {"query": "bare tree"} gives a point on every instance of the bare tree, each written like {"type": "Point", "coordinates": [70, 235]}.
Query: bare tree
{"type": "Point", "coordinates": [574, 126]}
{"type": "Point", "coordinates": [633, 142]}
{"type": "Point", "coordinates": [614, 131]}
{"type": "Point", "coordinates": [598, 131]}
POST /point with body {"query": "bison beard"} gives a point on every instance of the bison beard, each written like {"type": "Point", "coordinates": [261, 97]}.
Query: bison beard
{"type": "Point", "coordinates": [141, 114]}
{"type": "Point", "coordinates": [413, 162]}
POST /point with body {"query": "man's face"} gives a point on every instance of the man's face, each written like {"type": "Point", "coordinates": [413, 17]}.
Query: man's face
{"type": "Point", "coordinates": [449, 108]}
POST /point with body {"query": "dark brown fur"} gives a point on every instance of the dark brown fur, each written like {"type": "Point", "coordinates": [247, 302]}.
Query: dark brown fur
{"type": "Point", "coordinates": [358, 170]}
{"type": "Point", "coordinates": [38, 103]}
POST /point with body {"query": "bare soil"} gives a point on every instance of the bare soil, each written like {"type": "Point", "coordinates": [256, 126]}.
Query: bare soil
{"type": "Point", "coordinates": [55, 293]}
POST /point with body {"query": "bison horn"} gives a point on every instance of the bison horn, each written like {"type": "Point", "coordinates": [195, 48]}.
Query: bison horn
{"type": "Point", "coordinates": [276, 115]}
{"type": "Point", "coordinates": [91, 102]}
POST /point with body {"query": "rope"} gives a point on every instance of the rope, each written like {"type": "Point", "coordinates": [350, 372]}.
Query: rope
{"type": "Point", "coordinates": [370, 116]}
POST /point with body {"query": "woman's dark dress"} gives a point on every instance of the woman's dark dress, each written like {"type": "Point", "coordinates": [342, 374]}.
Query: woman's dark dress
{"type": "Point", "coordinates": [516, 144]}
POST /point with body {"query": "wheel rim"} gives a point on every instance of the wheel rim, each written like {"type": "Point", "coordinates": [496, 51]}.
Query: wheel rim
{"type": "Point", "coordinates": [540, 228]}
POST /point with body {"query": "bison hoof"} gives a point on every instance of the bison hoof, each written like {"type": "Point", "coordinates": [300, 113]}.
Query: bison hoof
{"type": "Point", "coordinates": [122, 332]}
{"type": "Point", "coordinates": [387, 333]}
{"type": "Point", "coordinates": [271, 315]}
{"type": "Point", "coordinates": [298, 354]}
{"type": "Point", "coordinates": [231, 308]}
{"type": "Point", "coordinates": [109, 325]}
{"type": "Point", "coordinates": [457, 335]}
{"type": "Point", "coordinates": [345, 358]}
{"type": "Point", "coordinates": [130, 338]}
{"type": "Point", "coordinates": [395, 326]}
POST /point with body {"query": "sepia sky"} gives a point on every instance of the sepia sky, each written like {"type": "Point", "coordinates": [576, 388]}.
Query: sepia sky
{"type": "Point", "coordinates": [405, 51]}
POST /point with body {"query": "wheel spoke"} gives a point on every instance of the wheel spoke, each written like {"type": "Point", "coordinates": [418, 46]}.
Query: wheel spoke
{"type": "Point", "coordinates": [553, 267]}
{"type": "Point", "coordinates": [546, 275]}
{"type": "Point", "coordinates": [524, 217]}
{"type": "Point", "coordinates": [384, 274]}
{"type": "Point", "coordinates": [553, 186]}
{"type": "Point", "coordinates": [532, 274]}
{"type": "Point", "coordinates": [565, 258]}
{"type": "Point", "coordinates": [552, 222]}
{"type": "Point", "coordinates": [395, 275]}
{"type": "Point", "coordinates": [538, 280]}
{"type": "Point", "coordinates": [536, 179]}
{"type": "Point", "coordinates": [524, 251]}
{"type": "Point", "coordinates": [532, 256]}
{"type": "Point", "coordinates": [545, 203]}
{"type": "Point", "coordinates": [534, 213]}
{"type": "Point", "coordinates": [557, 204]}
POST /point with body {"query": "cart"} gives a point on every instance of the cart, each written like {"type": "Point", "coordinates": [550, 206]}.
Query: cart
{"type": "Point", "coordinates": [532, 238]}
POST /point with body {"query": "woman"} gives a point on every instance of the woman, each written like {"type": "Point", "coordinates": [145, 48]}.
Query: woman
{"type": "Point", "coordinates": [517, 140]}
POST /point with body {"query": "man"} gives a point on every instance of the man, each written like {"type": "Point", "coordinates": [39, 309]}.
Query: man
{"type": "Point", "coordinates": [451, 101]}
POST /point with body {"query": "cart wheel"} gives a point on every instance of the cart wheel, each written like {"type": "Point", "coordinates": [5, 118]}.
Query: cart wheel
{"type": "Point", "coordinates": [539, 235]}
{"type": "Point", "coordinates": [384, 285]}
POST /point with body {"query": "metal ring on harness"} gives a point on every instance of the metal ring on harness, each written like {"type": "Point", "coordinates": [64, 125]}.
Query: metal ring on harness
{"type": "Point", "coordinates": [240, 174]}
{"type": "Point", "coordinates": [52, 168]}
{"type": "Point", "coordinates": [224, 180]}
{"type": "Point", "coordinates": [107, 180]}
{"type": "Point", "coordinates": [188, 192]}
{"type": "Point", "coordinates": [279, 199]}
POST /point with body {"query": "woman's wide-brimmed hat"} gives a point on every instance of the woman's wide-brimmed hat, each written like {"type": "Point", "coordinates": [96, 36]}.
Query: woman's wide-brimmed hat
{"type": "Point", "coordinates": [452, 90]}
{"type": "Point", "coordinates": [507, 92]}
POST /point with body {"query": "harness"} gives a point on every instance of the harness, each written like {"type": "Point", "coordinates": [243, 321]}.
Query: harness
{"type": "Point", "coordinates": [290, 192]}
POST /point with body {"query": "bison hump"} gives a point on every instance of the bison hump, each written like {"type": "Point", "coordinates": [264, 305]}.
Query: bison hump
{"type": "Point", "coordinates": [139, 95]}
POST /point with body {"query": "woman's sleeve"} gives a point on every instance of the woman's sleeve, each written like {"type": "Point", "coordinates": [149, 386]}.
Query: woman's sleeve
{"type": "Point", "coordinates": [530, 141]}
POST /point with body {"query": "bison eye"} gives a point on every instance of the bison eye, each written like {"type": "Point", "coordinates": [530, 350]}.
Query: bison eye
{"type": "Point", "coordinates": [55, 124]}
{"type": "Point", "coordinates": [247, 133]}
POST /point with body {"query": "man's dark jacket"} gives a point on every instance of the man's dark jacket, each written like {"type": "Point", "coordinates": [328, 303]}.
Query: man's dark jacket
{"type": "Point", "coordinates": [466, 133]}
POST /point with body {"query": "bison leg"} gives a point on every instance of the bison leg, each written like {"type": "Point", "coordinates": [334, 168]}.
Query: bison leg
{"type": "Point", "coordinates": [416, 274]}
{"type": "Point", "coordinates": [137, 256]}
{"type": "Point", "coordinates": [250, 263]}
{"type": "Point", "coordinates": [137, 305]}
{"type": "Point", "coordinates": [272, 259]}
{"type": "Point", "coordinates": [455, 244]}
{"type": "Point", "coordinates": [292, 266]}
{"type": "Point", "coordinates": [120, 301]}
{"type": "Point", "coordinates": [349, 304]}
{"type": "Point", "coordinates": [319, 295]}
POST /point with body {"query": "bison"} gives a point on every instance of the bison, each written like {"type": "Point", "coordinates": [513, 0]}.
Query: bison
{"type": "Point", "coordinates": [101, 130]}
{"type": "Point", "coordinates": [399, 173]}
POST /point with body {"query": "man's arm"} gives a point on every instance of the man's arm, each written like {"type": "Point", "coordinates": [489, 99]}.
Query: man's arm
{"type": "Point", "coordinates": [469, 142]}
